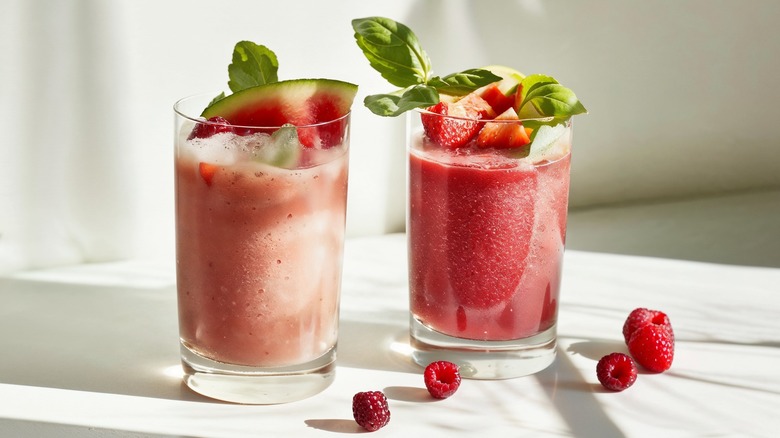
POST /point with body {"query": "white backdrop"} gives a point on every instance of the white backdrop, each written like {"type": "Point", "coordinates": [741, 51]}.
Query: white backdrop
{"type": "Point", "coordinates": [682, 98]}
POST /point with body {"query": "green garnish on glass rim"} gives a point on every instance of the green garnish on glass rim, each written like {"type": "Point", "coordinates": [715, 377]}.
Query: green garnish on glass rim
{"type": "Point", "coordinates": [253, 64]}
{"type": "Point", "coordinates": [395, 52]}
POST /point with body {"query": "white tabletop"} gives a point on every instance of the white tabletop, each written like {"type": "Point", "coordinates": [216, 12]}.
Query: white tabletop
{"type": "Point", "coordinates": [92, 350]}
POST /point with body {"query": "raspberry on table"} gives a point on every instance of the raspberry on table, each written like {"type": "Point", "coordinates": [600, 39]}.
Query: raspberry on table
{"type": "Point", "coordinates": [652, 347]}
{"type": "Point", "coordinates": [370, 410]}
{"type": "Point", "coordinates": [641, 317]}
{"type": "Point", "coordinates": [616, 371]}
{"type": "Point", "coordinates": [442, 379]}
{"type": "Point", "coordinates": [212, 126]}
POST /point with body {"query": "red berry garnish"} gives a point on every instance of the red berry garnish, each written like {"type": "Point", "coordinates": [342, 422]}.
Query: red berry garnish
{"type": "Point", "coordinates": [652, 346]}
{"type": "Point", "coordinates": [442, 378]}
{"type": "Point", "coordinates": [641, 317]}
{"type": "Point", "coordinates": [616, 371]}
{"type": "Point", "coordinates": [370, 410]}
{"type": "Point", "coordinates": [462, 125]}
{"type": "Point", "coordinates": [212, 126]}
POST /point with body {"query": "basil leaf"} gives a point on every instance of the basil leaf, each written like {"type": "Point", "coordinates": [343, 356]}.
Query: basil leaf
{"type": "Point", "coordinates": [533, 81]}
{"type": "Point", "coordinates": [543, 97]}
{"type": "Point", "coordinates": [392, 49]}
{"type": "Point", "coordinates": [252, 65]}
{"type": "Point", "coordinates": [391, 105]}
{"type": "Point", "coordinates": [463, 83]}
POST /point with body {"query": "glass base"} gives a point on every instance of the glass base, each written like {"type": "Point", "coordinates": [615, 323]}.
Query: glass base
{"type": "Point", "coordinates": [484, 359]}
{"type": "Point", "coordinates": [257, 385]}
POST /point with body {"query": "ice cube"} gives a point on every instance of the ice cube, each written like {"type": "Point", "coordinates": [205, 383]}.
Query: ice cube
{"type": "Point", "coordinates": [217, 149]}
{"type": "Point", "coordinates": [281, 148]}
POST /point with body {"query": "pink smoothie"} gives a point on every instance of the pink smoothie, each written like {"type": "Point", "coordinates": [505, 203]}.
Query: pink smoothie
{"type": "Point", "coordinates": [259, 253]}
{"type": "Point", "coordinates": [486, 238]}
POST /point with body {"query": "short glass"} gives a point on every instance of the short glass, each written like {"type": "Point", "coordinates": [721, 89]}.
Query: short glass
{"type": "Point", "coordinates": [486, 231]}
{"type": "Point", "coordinates": [260, 222]}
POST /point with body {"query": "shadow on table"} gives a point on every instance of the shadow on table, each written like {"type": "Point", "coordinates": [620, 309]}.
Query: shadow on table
{"type": "Point", "coordinates": [76, 335]}
{"type": "Point", "coordinates": [385, 346]}
{"type": "Point", "coordinates": [111, 334]}
{"type": "Point", "coordinates": [573, 397]}
{"type": "Point", "coordinates": [375, 345]}
{"type": "Point", "coordinates": [40, 429]}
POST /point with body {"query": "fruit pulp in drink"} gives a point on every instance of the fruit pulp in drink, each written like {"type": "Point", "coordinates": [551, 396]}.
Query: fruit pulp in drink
{"type": "Point", "coordinates": [259, 254]}
{"type": "Point", "coordinates": [486, 239]}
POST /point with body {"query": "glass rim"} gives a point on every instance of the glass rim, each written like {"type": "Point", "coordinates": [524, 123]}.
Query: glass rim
{"type": "Point", "coordinates": [198, 119]}
{"type": "Point", "coordinates": [424, 111]}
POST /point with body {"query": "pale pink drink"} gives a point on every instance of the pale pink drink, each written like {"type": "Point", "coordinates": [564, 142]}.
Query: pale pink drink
{"type": "Point", "coordinates": [260, 232]}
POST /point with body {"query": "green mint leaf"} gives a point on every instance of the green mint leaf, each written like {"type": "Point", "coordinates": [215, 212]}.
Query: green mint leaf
{"type": "Point", "coordinates": [543, 97]}
{"type": "Point", "coordinates": [252, 65]}
{"type": "Point", "coordinates": [391, 105]}
{"type": "Point", "coordinates": [463, 83]}
{"type": "Point", "coordinates": [392, 49]}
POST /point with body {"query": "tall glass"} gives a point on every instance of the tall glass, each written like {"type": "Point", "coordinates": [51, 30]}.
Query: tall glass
{"type": "Point", "coordinates": [486, 231]}
{"type": "Point", "coordinates": [259, 241]}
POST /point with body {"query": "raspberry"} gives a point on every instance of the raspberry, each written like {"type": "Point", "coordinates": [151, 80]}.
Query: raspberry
{"type": "Point", "coordinates": [641, 317]}
{"type": "Point", "coordinates": [442, 379]}
{"type": "Point", "coordinates": [370, 410]}
{"type": "Point", "coordinates": [212, 126]}
{"type": "Point", "coordinates": [616, 371]}
{"type": "Point", "coordinates": [652, 346]}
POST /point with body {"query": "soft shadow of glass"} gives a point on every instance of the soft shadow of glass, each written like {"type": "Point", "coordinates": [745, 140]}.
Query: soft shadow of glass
{"type": "Point", "coordinates": [376, 346]}
{"type": "Point", "coordinates": [597, 349]}
{"type": "Point", "coordinates": [574, 398]}
{"type": "Point", "coordinates": [335, 425]}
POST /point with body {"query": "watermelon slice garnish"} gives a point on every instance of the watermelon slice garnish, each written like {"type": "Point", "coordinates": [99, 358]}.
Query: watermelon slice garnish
{"type": "Point", "coordinates": [298, 102]}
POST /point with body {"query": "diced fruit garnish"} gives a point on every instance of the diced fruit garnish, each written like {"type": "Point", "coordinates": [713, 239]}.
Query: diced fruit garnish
{"type": "Point", "coordinates": [442, 379]}
{"type": "Point", "coordinates": [502, 94]}
{"type": "Point", "coordinates": [652, 346]}
{"type": "Point", "coordinates": [298, 102]}
{"type": "Point", "coordinates": [462, 125]}
{"type": "Point", "coordinates": [370, 410]}
{"type": "Point", "coordinates": [207, 171]}
{"type": "Point", "coordinates": [471, 106]}
{"type": "Point", "coordinates": [504, 135]}
{"type": "Point", "coordinates": [641, 317]}
{"type": "Point", "coordinates": [214, 125]}
{"type": "Point", "coordinates": [496, 98]}
{"type": "Point", "coordinates": [616, 371]}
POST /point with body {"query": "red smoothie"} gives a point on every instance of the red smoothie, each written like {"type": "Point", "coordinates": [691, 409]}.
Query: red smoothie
{"type": "Point", "coordinates": [486, 239]}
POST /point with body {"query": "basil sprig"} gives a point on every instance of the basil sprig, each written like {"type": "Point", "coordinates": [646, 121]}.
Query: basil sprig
{"type": "Point", "coordinates": [393, 50]}
{"type": "Point", "coordinates": [253, 65]}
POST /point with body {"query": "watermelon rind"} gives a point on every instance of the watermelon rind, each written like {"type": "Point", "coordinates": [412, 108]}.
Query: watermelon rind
{"type": "Point", "coordinates": [297, 101]}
